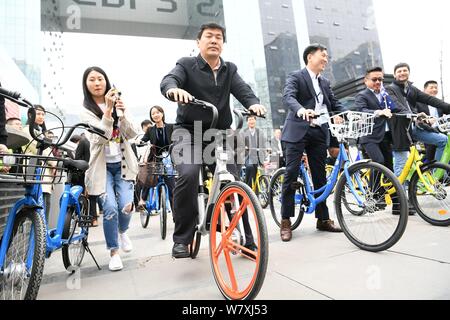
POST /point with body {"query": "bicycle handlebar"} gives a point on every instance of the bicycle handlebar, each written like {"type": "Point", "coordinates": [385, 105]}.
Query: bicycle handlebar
{"type": "Point", "coordinates": [240, 113]}
{"type": "Point", "coordinates": [17, 98]}
{"type": "Point", "coordinates": [5, 93]}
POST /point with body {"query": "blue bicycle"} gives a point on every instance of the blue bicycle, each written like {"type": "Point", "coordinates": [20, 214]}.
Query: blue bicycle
{"type": "Point", "coordinates": [22, 248]}
{"type": "Point", "coordinates": [370, 217]}
{"type": "Point", "coordinates": [157, 201]}
{"type": "Point", "coordinates": [26, 242]}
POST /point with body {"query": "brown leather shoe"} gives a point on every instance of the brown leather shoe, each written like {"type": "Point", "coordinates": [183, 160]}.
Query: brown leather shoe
{"type": "Point", "coordinates": [285, 231]}
{"type": "Point", "coordinates": [327, 225]}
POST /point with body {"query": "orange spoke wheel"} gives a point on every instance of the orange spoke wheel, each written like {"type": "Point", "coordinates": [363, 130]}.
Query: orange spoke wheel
{"type": "Point", "coordinates": [238, 242]}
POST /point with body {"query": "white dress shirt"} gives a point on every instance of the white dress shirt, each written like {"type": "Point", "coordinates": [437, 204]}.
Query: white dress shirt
{"type": "Point", "coordinates": [320, 107]}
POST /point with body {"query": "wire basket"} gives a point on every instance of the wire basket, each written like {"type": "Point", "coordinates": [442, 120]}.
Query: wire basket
{"type": "Point", "coordinates": [444, 124]}
{"type": "Point", "coordinates": [24, 169]}
{"type": "Point", "coordinates": [353, 125]}
{"type": "Point", "coordinates": [160, 169]}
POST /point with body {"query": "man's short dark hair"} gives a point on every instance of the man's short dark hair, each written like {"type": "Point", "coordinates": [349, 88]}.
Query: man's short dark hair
{"type": "Point", "coordinates": [145, 123]}
{"type": "Point", "coordinates": [311, 49]}
{"type": "Point", "coordinates": [212, 25]}
{"type": "Point", "coordinates": [401, 65]}
{"type": "Point", "coordinates": [374, 69]}
{"type": "Point", "coordinates": [429, 83]}
{"type": "Point", "coordinates": [12, 119]}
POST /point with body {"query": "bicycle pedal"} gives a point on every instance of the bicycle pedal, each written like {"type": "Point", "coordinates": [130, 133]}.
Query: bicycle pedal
{"type": "Point", "coordinates": [86, 221]}
{"type": "Point", "coordinates": [154, 213]}
{"type": "Point", "coordinates": [296, 185]}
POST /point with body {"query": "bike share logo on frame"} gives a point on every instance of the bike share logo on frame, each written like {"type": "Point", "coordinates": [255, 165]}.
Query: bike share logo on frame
{"type": "Point", "coordinates": [74, 280]}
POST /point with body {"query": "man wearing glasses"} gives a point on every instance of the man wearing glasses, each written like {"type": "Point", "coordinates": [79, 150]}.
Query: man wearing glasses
{"type": "Point", "coordinates": [374, 99]}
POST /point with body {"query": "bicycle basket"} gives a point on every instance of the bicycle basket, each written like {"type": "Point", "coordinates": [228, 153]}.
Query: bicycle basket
{"type": "Point", "coordinates": [24, 169]}
{"type": "Point", "coordinates": [162, 169]}
{"type": "Point", "coordinates": [354, 125]}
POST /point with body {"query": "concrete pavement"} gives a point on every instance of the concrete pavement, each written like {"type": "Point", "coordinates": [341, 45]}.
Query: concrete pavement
{"type": "Point", "coordinates": [313, 266]}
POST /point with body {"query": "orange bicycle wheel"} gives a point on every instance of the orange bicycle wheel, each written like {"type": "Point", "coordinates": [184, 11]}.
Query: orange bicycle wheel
{"type": "Point", "coordinates": [238, 243]}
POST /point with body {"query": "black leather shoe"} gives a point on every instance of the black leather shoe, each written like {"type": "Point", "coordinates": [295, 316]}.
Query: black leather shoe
{"type": "Point", "coordinates": [327, 225]}
{"type": "Point", "coordinates": [180, 251]}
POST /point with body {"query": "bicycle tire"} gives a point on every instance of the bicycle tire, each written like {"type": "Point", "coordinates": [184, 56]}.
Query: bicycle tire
{"type": "Point", "coordinates": [375, 210]}
{"type": "Point", "coordinates": [32, 282]}
{"type": "Point", "coordinates": [432, 206]}
{"type": "Point", "coordinates": [274, 198]}
{"type": "Point", "coordinates": [71, 262]}
{"type": "Point", "coordinates": [194, 248]}
{"type": "Point", "coordinates": [144, 214]}
{"type": "Point", "coordinates": [250, 207]}
{"type": "Point", "coordinates": [263, 192]}
{"type": "Point", "coordinates": [163, 212]}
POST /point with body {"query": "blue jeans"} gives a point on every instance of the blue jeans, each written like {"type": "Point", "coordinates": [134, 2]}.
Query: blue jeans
{"type": "Point", "coordinates": [400, 159]}
{"type": "Point", "coordinates": [119, 194]}
{"type": "Point", "coordinates": [436, 139]}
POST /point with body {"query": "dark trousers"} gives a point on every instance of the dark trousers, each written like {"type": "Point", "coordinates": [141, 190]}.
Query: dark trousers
{"type": "Point", "coordinates": [381, 152]}
{"type": "Point", "coordinates": [93, 206]}
{"type": "Point", "coordinates": [315, 144]}
{"type": "Point", "coordinates": [251, 171]}
{"type": "Point", "coordinates": [186, 199]}
{"type": "Point", "coordinates": [430, 152]}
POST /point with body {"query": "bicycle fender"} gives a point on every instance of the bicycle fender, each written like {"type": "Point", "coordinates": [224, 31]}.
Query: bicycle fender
{"type": "Point", "coordinates": [358, 162]}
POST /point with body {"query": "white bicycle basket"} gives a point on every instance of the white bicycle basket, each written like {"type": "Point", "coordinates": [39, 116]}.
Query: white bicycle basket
{"type": "Point", "coordinates": [352, 125]}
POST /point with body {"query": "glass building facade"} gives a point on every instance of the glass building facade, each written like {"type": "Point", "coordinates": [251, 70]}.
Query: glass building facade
{"type": "Point", "coordinates": [266, 38]}
{"type": "Point", "coordinates": [281, 50]}
{"type": "Point", "coordinates": [20, 37]}
{"type": "Point", "coordinates": [348, 30]}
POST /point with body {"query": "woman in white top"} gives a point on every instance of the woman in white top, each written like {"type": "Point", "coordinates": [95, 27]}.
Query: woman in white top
{"type": "Point", "coordinates": [113, 166]}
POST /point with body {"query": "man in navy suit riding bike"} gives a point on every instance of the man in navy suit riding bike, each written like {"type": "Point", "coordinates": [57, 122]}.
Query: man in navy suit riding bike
{"type": "Point", "coordinates": [307, 94]}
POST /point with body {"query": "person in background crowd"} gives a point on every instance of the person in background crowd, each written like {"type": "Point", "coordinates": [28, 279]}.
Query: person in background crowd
{"type": "Point", "coordinates": [145, 125]}
{"type": "Point", "coordinates": [3, 132]}
{"type": "Point", "coordinates": [160, 136]}
{"type": "Point", "coordinates": [40, 130]}
{"type": "Point", "coordinates": [431, 88]}
{"type": "Point", "coordinates": [255, 155]}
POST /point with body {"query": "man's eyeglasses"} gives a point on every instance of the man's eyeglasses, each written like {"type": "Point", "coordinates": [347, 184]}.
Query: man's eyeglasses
{"type": "Point", "coordinates": [377, 79]}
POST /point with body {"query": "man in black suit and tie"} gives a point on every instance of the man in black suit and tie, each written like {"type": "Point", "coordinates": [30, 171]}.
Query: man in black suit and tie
{"type": "Point", "coordinates": [307, 94]}
{"type": "Point", "coordinates": [378, 145]}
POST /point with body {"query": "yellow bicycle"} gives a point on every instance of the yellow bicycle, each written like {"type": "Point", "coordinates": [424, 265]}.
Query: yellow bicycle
{"type": "Point", "coordinates": [429, 186]}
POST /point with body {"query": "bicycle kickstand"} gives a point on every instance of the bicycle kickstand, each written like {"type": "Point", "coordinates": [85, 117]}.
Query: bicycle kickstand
{"type": "Point", "coordinates": [86, 247]}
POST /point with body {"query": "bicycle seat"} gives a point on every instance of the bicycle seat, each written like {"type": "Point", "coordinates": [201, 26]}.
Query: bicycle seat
{"type": "Point", "coordinates": [76, 164]}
